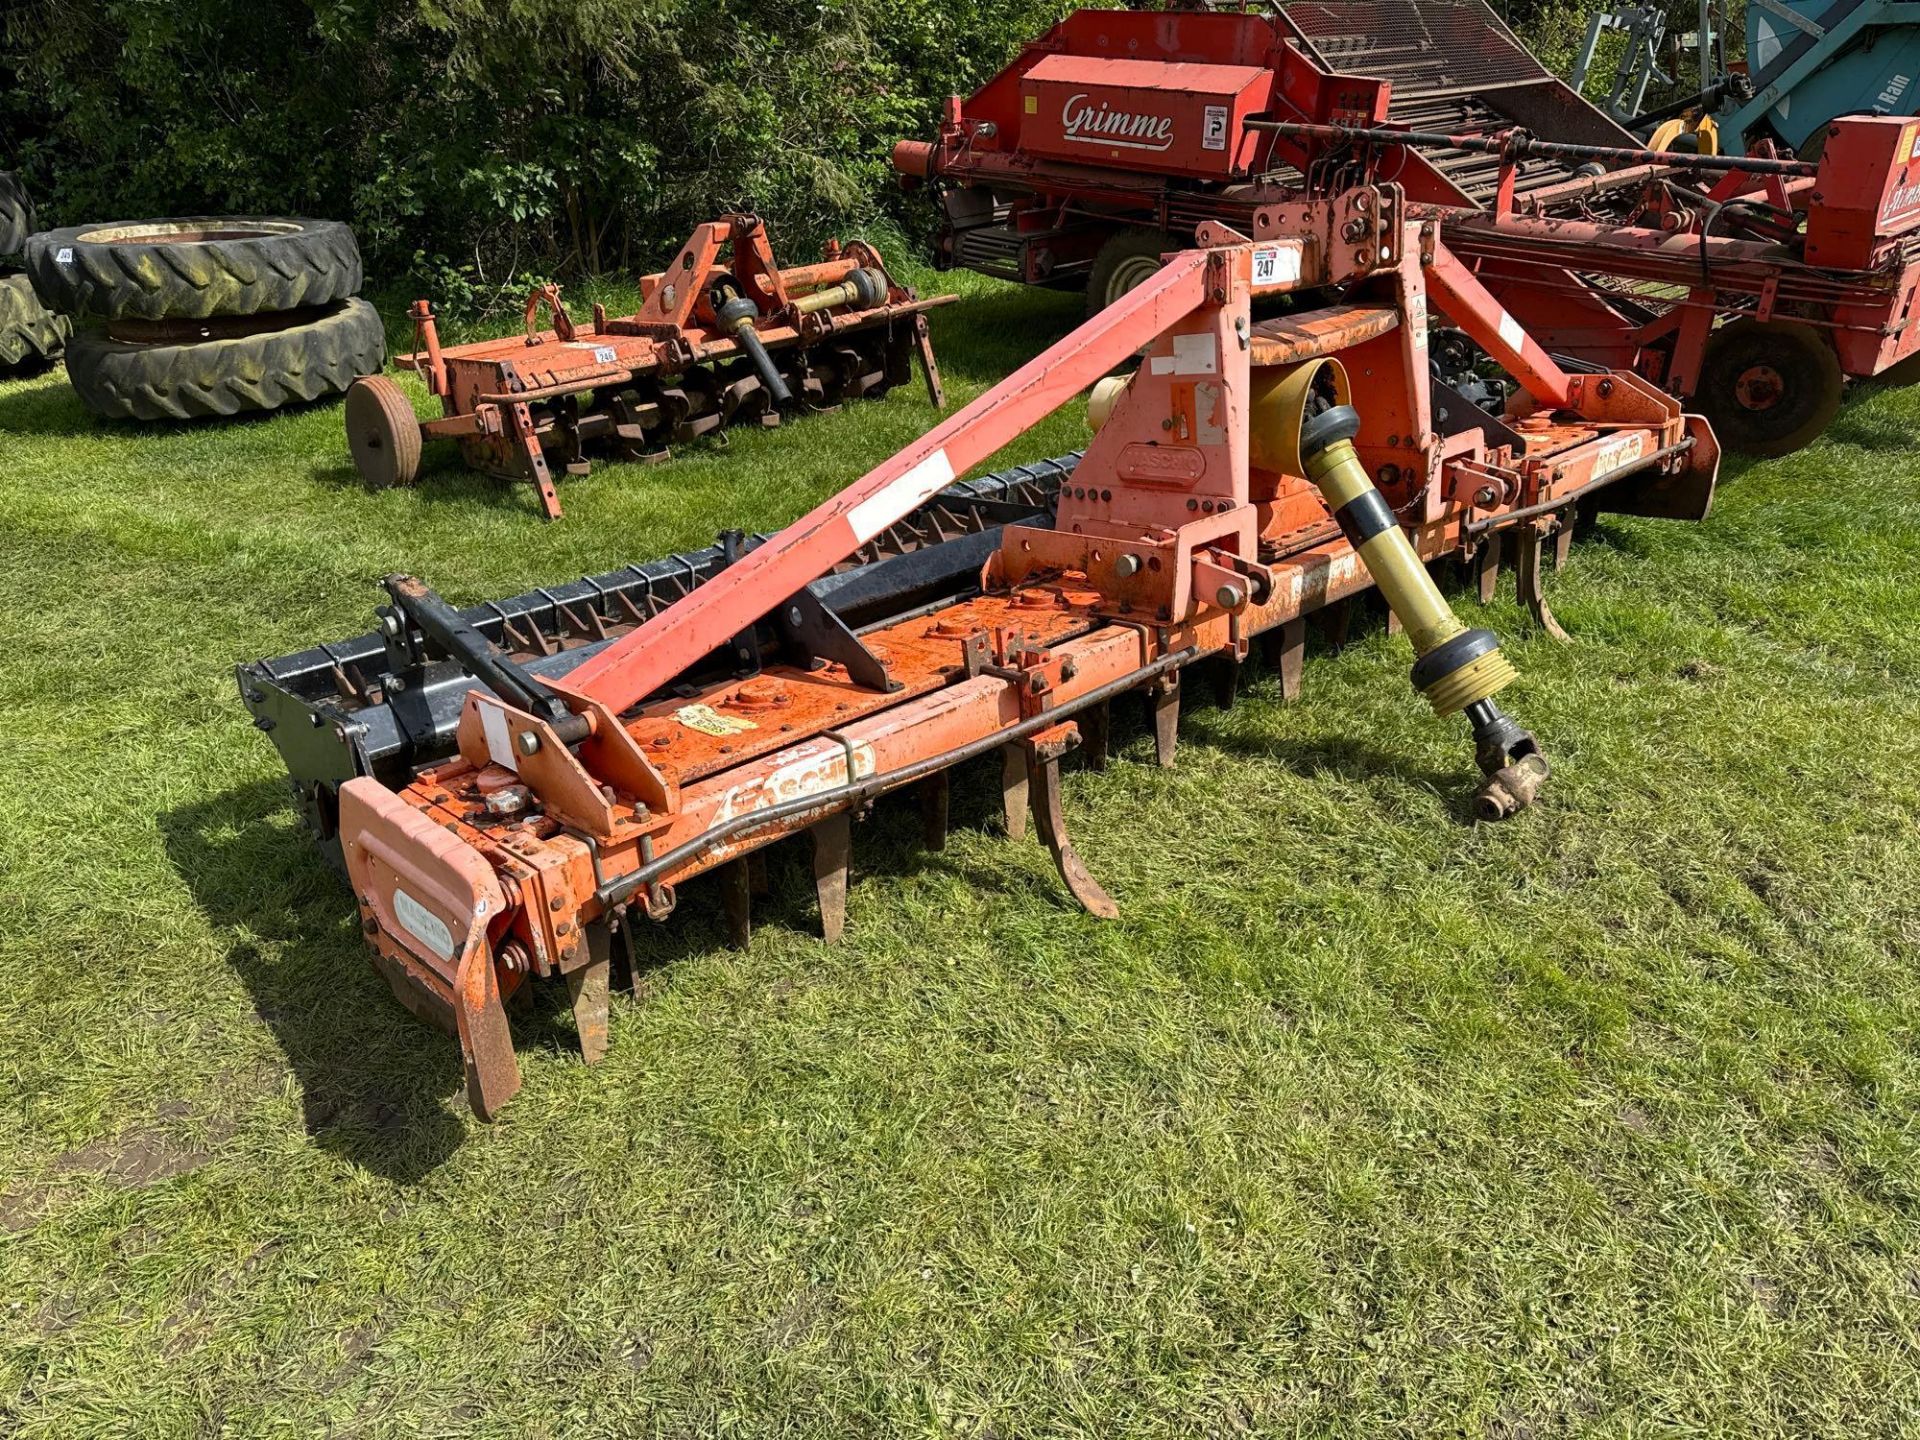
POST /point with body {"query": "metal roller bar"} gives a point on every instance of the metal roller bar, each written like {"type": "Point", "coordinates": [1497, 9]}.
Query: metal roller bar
{"type": "Point", "coordinates": [1519, 145]}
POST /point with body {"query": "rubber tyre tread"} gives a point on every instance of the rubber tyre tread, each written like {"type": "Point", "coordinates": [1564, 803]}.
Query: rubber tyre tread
{"type": "Point", "coordinates": [1118, 250]}
{"type": "Point", "coordinates": [121, 381]}
{"type": "Point", "coordinates": [1800, 354]}
{"type": "Point", "coordinates": [317, 264]}
{"type": "Point", "coordinates": [16, 214]}
{"type": "Point", "coordinates": [30, 334]}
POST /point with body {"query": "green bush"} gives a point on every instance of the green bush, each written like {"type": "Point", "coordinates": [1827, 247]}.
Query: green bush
{"type": "Point", "coordinates": [475, 142]}
{"type": "Point", "coordinates": [561, 135]}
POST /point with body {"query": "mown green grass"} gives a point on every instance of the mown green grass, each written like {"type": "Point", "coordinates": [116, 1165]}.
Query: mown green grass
{"type": "Point", "coordinates": [1361, 1119]}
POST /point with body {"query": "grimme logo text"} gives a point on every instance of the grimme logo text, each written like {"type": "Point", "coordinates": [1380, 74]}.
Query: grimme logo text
{"type": "Point", "coordinates": [1102, 125]}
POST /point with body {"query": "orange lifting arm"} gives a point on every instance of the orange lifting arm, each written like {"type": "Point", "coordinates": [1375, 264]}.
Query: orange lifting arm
{"type": "Point", "coordinates": [638, 664]}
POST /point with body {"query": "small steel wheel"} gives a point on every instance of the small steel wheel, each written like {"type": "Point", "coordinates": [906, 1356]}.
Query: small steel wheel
{"type": "Point", "coordinates": [382, 432]}
{"type": "Point", "coordinates": [1769, 387]}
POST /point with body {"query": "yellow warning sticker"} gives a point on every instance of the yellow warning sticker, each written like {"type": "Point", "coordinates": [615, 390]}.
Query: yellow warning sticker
{"type": "Point", "coordinates": [1906, 146]}
{"type": "Point", "coordinates": [1033, 104]}
{"type": "Point", "coordinates": [709, 721]}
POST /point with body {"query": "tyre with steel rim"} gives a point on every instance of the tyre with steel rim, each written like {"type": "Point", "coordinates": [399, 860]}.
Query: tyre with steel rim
{"type": "Point", "coordinates": [195, 267]}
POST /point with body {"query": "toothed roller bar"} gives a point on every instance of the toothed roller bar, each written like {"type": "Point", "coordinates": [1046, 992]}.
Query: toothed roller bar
{"type": "Point", "coordinates": [384, 704]}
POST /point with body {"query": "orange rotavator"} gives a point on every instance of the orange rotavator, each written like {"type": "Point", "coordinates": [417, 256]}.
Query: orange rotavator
{"type": "Point", "coordinates": [1244, 475]}
{"type": "Point", "coordinates": [723, 336]}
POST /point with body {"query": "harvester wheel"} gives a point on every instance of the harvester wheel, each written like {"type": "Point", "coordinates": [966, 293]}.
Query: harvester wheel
{"type": "Point", "coordinates": [194, 268]}
{"type": "Point", "coordinates": [31, 336]}
{"type": "Point", "coordinates": [382, 433]}
{"type": "Point", "coordinates": [1769, 387]}
{"type": "Point", "coordinates": [16, 214]}
{"type": "Point", "coordinates": [171, 380]}
{"type": "Point", "coordinates": [1128, 258]}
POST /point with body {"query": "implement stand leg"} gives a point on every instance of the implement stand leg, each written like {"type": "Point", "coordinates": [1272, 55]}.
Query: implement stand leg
{"type": "Point", "coordinates": [923, 341]}
{"type": "Point", "coordinates": [587, 989]}
{"type": "Point", "coordinates": [832, 857]}
{"type": "Point", "coordinates": [1013, 791]}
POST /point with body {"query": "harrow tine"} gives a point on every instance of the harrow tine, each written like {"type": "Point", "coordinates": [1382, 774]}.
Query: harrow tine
{"type": "Point", "coordinates": [1563, 539]}
{"type": "Point", "coordinates": [736, 898]}
{"type": "Point", "coordinates": [1336, 620]}
{"type": "Point", "coordinates": [1226, 682]}
{"type": "Point", "coordinates": [832, 857]}
{"type": "Point", "coordinates": [936, 802]}
{"type": "Point", "coordinates": [1527, 568]}
{"type": "Point", "coordinates": [587, 992]}
{"type": "Point", "coordinates": [1096, 726]}
{"type": "Point", "coordinates": [1163, 699]}
{"type": "Point", "coordinates": [1013, 791]}
{"type": "Point", "coordinates": [1043, 772]}
{"type": "Point", "coordinates": [1285, 649]}
{"type": "Point", "coordinates": [1486, 569]}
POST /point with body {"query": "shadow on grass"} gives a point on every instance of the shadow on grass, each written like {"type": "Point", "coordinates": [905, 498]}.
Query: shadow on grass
{"type": "Point", "coordinates": [373, 1080]}
{"type": "Point", "coordinates": [52, 409]}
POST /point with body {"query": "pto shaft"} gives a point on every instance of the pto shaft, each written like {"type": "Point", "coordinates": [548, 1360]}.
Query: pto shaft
{"type": "Point", "coordinates": [738, 315]}
{"type": "Point", "coordinates": [1456, 668]}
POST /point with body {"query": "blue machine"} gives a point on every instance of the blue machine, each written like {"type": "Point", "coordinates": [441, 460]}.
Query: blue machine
{"type": "Point", "coordinates": [1811, 61]}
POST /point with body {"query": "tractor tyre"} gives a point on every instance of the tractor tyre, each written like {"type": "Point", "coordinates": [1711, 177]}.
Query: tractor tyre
{"type": "Point", "coordinates": [1768, 387]}
{"type": "Point", "coordinates": [194, 379]}
{"type": "Point", "coordinates": [1128, 258]}
{"type": "Point", "coordinates": [31, 336]}
{"type": "Point", "coordinates": [195, 268]}
{"type": "Point", "coordinates": [16, 214]}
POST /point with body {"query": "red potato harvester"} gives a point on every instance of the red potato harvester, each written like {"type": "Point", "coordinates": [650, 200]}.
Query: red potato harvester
{"type": "Point", "coordinates": [1227, 494]}
{"type": "Point", "coordinates": [1753, 287]}
{"type": "Point", "coordinates": [723, 335]}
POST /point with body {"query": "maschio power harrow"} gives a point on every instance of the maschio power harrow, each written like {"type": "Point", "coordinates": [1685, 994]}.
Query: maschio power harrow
{"type": "Point", "coordinates": [1228, 492]}
{"type": "Point", "coordinates": [723, 336]}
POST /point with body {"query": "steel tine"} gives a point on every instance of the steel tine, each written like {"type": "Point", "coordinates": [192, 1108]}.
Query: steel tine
{"type": "Point", "coordinates": [736, 898]}
{"type": "Point", "coordinates": [832, 857]}
{"type": "Point", "coordinates": [1043, 763]}
{"type": "Point", "coordinates": [1013, 791]}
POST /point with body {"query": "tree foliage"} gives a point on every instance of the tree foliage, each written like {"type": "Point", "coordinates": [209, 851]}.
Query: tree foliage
{"type": "Point", "coordinates": [488, 138]}
{"type": "Point", "coordinates": [572, 135]}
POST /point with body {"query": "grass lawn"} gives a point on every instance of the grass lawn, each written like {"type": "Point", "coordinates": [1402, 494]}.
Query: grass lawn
{"type": "Point", "coordinates": [1361, 1119]}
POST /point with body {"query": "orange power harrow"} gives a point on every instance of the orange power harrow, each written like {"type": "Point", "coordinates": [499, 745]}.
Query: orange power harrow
{"type": "Point", "coordinates": [723, 336]}
{"type": "Point", "coordinates": [1242, 477]}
